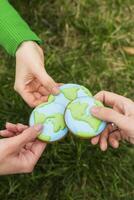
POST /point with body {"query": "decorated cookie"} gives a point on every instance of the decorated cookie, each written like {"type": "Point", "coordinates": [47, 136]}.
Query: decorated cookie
{"type": "Point", "coordinates": [50, 115]}
{"type": "Point", "coordinates": [79, 119]}
{"type": "Point", "coordinates": [68, 93]}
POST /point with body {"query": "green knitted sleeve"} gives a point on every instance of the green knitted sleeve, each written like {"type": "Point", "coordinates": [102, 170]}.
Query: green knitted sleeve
{"type": "Point", "coordinates": [13, 29]}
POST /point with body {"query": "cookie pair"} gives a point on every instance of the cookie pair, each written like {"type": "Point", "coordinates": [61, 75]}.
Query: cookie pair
{"type": "Point", "coordinates": [70, 110]}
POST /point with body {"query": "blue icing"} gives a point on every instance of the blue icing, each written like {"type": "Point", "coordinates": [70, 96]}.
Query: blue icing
{"type": "Point", "coordinates": [69, 122]}
{"type": "Point", "coordinates": [101, 127]}
{"type": "Point", "coordinates": [80, 126]}
{"type": "Point", "coordinates": [87, 99]}
{"type": "Point", "coordinates": [48, 130]}
{"type": "Point", "coordinates": [31, 121]}
{"type": "Point", "coordinates": [77, 126]}
{"type": "Point", "coordinates": [58, 106]}
{"type": "Point", "coordinates": [81, 93]}
{"type": "Point", "coordinates": [56, 136]}
{"type": "Point", "coordinates": [61, 99]}
{"type": "Point", "coordinates": [50, 109]}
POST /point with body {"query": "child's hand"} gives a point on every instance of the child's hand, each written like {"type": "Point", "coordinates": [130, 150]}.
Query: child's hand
{"type": "Point", "coordinates": [20, 151]}
{"type": "Point", "coordinates": [122, 117]}
{"type": "Point", "coordinates": [32, 81]}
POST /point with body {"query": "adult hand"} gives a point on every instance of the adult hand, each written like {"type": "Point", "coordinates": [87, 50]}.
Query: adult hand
{"type": "Point", "coordinates": [32, 81]}
{"type": "Point", "coordinates": [21, 150]}
{"type": "Point", "coordinates": [121, 114]}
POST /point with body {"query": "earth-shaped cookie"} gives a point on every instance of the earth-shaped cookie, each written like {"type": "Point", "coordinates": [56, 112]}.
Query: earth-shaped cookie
{"type": "Point", "coordinates": [50, 115]}
{"type": "Point", "coordinates": [69, 92]}
{"type": "Point", "coordinates": [79, 119]}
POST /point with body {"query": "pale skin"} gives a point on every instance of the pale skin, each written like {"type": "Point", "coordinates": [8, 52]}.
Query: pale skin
{"type": "Point", "coordinates": [32, 81]}
{"type": "Point", "coordinates": [121, 113]}
{"type": "Point", "coordinates": [20, 151]}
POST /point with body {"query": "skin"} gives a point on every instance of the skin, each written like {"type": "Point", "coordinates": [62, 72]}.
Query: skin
{"type": "Point", "coordinates": [121, 114]}
{"type": "Point", "coordinates": [32, 81]}
{"type": "Point", "coordinates": [20, 151]}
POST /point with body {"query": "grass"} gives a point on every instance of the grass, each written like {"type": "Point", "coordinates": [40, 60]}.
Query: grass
{"type": "Point", "coordinates": [84, 42]}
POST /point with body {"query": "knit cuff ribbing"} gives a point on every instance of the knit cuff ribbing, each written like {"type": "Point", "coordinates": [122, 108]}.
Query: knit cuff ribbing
{"type": "Point", "coordinates": [13, 29]}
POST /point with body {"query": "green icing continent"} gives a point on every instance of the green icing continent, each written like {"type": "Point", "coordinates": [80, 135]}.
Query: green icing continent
{"type": "Point", "coordinates": [51, 99]}
{"type": "Point", "coordinates": [39, 118]}
{"type": "Point", "coordinates": [78, 111]}
{"type": "Point", "coordinates": [98, 103]}
{"type": "Point", "coordinates": [56, 119]}
{"type": "Point", "coordinates": [86, 91]}
{"type": "Point", "coordinates": [84, 135]}
{"type": "Point", "coordinates": [70, 93]}
{"type": "Point", "coordinates": [44, 137]}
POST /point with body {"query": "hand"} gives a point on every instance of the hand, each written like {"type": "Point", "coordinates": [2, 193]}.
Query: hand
{"type": "Point", "coordinates": [32, 81]}
{"type": "Point", "coordinates": [21, 150]}
{"type": "Point", "coordinates": [121, 114]}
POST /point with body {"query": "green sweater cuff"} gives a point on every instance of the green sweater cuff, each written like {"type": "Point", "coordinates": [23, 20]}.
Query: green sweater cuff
{"type": "Point", "coordinates": [13, 29]}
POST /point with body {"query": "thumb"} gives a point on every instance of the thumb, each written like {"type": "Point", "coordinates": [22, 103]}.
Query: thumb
{"type": "Point", "coordinates": [47, 82]}
{"type": "Point", "coordinates": [27, 136]}
{"type": "Point", "coordinates": [110, 115]}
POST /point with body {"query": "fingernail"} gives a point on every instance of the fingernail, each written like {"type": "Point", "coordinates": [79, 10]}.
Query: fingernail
{"type": "Point", "coordinates": [38, 127]}
{"type": "Point", "coordinates": [55, 90]}
{"type": "Point", "coordinates": [93, 142]}
{"type": "Point", "coordinates": [95, 110]}
{"type": "Point", "coordinates": [116, 144]}
{"type": "Point", "coordinates": [8, 123]}
{"type": "Point", "coordinates": [104, 147]}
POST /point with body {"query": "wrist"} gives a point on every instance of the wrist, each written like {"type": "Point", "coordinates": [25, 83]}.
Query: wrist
{"type": "Point", "coordinates": [24, 45]}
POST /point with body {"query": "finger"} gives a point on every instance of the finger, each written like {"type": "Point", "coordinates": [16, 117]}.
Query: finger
{"type": "Point", "coordinates": [39, 101]}
{"type": "Point", "coordinates": [6, 133]}
{"type": "Point", "coordinates": [59, 84]}
{"type": "Point", "coordinates": [28, 97]}
{"type": "Point", "coordinates": [37, 95]}
{"type": "Point", "coordinates": [110, 99]}
{"type": "Point", "coordinates": [32, 85]}
{"type": "Point", "coordinates": [26, 94]}
{"type": "Point", "coordinates": [95, 140]}
{"type": "Point", "coordinates": [47, 82]}
{"type": "Point", "coordinates": [32, 101]}
{"type": "Point", "coordinates": [15, 128]}
{"type": "Point", "coordinates": [114, 139]}
{"type": "Point", "coordinates": [42, 90]}
{"type": "Point", "coordinates": [28, 145]}
{"type": "Point", "coordinates": [11, 127]}
{"type": "Point", "coordinates": [103, 140]}
{"type": "Point", "coordinates": [37, 148]}
{"type": "Point", "coordinates": [111, 115]}
{"type": "Point", "coordinates": [21, 127]}
{"type": "Point", "coordinates": [27, 136]}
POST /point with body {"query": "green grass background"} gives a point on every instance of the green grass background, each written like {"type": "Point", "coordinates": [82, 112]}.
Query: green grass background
{"type": "Point", "coordinates": [83, 44]}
